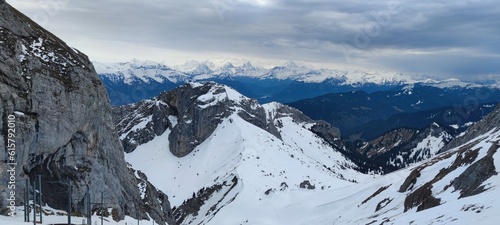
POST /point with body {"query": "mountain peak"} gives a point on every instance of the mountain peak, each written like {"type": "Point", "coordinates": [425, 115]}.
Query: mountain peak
{"type": "Point", "coordinates": [202, 69]}
{"type": "Point", "coordinates": [291, 64]}
{"type": "Point", "coordinates": [228, 65]}
{"type": "Point", "coordinates": [247, 64]}
{"type": "Point", "coordinates": [216, 94]}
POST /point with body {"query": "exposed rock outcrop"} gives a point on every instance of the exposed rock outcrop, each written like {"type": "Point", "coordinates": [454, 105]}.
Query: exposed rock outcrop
{"type": "Point", "coordinates": [193, 111]}
{"type": "Point", "coordinates": [307, 185]}
{"type": "Point", "coordinates": [469, 182]}
{"type": "Point", "coordinates": [64, 129]}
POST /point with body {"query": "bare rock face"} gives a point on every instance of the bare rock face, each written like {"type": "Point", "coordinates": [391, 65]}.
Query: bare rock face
{"type": "Point", "coordinates": [149, 119]}
{"type": "Point", "coordinates": [195, 124]}
{"type": "Point", "coordinates": [193, 111]}
{"type": "Point", "coordinates": [64, 129]}
{"type": "Point", "coordinates": [469, 182]}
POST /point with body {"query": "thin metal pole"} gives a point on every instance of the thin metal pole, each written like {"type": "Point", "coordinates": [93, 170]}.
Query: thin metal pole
{"type": "Point", "coordinates": [102, 194]}
{"type": "Point", "coordinates": [89, 208]}
{"type": "Point", "coordinates": [26, 199]}
{"type": "Point", "coordinates": [69, 202]}
{"type": "Point", "coordinates": [86, 206]}
{"type": "Point", "coordinates": [28, 202]}
{"type": "Point", "coordinates": [40, 190]}
{"type": "Point", "coordinates": [34, 203]}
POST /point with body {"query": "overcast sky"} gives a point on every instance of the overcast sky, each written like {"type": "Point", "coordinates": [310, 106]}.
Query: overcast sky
{"type": "Point", "coordinates": [455, 38]}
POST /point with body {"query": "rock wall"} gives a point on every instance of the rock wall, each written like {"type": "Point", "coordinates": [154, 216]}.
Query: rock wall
{"type": "Point", "coordinates": [64, 129]}
{"type": "Point", "coordinates": [195, 119]}
{"type": "Point", "coordinates": [197, 109]}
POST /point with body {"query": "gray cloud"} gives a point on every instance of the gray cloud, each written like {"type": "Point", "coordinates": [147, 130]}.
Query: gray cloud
{"type": "Point", "coordinates": [443, 38]}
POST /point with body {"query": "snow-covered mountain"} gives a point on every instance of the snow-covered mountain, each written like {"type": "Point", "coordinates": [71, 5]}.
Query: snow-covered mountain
{"type": "Point", "coordinates": [135, 70]}
{"type": "Point", "coordinates": [192, 71]}
{"type": "Point", "coordinates": [225, 159]}
{"type": "Point", "coordinates": [216, 148]}
{"type": "Point", "coordinates": [404, 146]}
{"type": "Point", "coordinates": [129, 82]}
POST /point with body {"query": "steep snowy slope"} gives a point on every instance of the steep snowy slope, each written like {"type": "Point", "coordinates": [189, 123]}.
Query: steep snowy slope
{"type": "Point", "coordinates": [270, 164]}
{"type": "Point", "coordinates": [251, 162]}
{"type": "Point", "coordinates": [243, 167]}
{"type": "Point", "coordinates": [460, 186]}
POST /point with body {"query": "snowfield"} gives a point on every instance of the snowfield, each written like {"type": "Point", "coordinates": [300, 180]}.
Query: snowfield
{"type": "Point", "coordinates": [267, 180]}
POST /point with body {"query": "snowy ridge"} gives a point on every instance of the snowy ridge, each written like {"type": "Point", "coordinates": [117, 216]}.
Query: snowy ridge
{"type": "Point", "coordinates": [396, 203]}
{"type": "Point", "coordinates": [142, 70]}
{"type": "Point", "coordinates": [134, 81]}
{"type": "Point", "coordinates": [215, 95]}
{"type": "Point", "coordinates": [259, 160]}
{"type": "Point", "coordinates": [242, 159]}
{"type": "Point", "coordinates": [196, 71]}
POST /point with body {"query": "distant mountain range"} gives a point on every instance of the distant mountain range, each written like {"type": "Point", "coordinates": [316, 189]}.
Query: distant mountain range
{"type": "Point", "coordinates": [129, 82]}
{"type": "Point", "coordinates": [363, 105]}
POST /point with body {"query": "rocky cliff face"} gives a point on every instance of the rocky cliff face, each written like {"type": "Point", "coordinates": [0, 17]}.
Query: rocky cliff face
{"type": "Point", "coordinates": [64, 129]}
{"type": "Point", "coordinates": [191, 112]}
{"type": "Point", "coordinates": [221, 148]}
